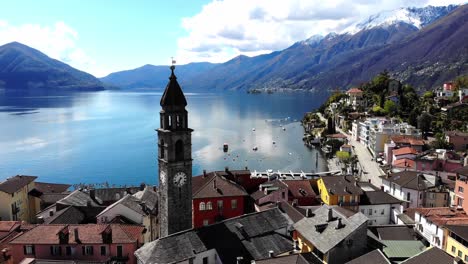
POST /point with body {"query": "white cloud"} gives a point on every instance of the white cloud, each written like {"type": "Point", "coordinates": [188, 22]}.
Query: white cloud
{"type": "Point", "coordinates": [58, 41]}
{"type": "Point", "coordinates": [227, 28]}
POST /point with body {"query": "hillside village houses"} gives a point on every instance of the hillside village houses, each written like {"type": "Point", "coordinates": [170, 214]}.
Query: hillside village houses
{"type": "Point", "coordinates": [416, 213]}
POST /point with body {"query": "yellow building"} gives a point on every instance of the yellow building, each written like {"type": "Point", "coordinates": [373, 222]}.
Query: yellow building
{"type": "Point", "coordinates": [339, 190]}
{"type": "Point", "coordinates": [15, 202]}
{"type": "Point", "coordinates": [457, 241]}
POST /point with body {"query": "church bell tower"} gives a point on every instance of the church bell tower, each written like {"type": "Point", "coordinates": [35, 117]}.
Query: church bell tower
{"type": "Point", "coordinates": [175, 161]}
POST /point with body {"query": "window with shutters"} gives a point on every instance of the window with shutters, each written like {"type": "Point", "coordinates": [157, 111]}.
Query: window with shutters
{"type": "Point", "coordinates": [29, 250]}
{"type": "Point", "coordinates": [202, 206]}
{"type": "Point", "coordinates": [209, 206]}
{"type": "Point", "coordinates": [119, 251]}
{"type": "Point", "coordinates": [103, 250]}
{"type": "Point", "coordinates": [88, 250]}
{"type": "Point", "coordinates": [234, 204]}
{"type": "Point", "coordinates": [55, 250]}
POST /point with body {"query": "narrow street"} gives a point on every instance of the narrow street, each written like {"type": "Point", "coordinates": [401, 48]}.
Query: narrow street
{"type": "Point", "coordinates": [370, 169]}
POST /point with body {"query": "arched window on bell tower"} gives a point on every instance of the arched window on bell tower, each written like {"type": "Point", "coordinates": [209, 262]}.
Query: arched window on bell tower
{"type": "Point", "coordinates": [179, 150]}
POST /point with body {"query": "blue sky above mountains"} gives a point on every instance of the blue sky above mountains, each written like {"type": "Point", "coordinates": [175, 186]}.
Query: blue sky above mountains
{"type": "Point", "coordinates": [101, 37]}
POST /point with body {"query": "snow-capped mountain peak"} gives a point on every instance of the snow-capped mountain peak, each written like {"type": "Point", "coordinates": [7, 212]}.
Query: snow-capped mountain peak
{"type": "Point", "coordinates": [417, 17]}
{"type": "Point", "coordinates": [312, 40]}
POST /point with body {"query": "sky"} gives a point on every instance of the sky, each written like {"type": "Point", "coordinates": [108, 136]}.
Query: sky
{"type": "Point", "coordinates": [104, 36]}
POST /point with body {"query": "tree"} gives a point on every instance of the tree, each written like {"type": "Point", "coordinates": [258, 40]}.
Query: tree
{"type": "Point", "coordinates": [413, 117]}
{"type": "Point", "coordinates": [440, 142]}
{"type": "Point", "coordinates": [424, 123]}
{"type": "Point", "coordinates": [390, 107]}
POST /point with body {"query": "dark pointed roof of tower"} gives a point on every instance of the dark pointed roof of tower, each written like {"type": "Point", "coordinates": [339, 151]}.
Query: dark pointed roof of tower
{"type": "Point", "coordinates": [173, 95]}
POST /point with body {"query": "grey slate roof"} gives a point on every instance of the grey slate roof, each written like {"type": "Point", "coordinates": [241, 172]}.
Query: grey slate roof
{"type": "Point", "coordinates": [250, 236]}
{"type": "Point", "coordinates": [374, 257]}
{"type": "Point", "coordinates": [149, 197]}
{"type": "Point", "coordinates": [304, 258]}
{"type": "Point", "coordinates": [459, 230]}
{"type": "Point", "coordinates": [50, 198]}
{"type": "Point", "coordinates": [410, 179]}
{"type": "Point", "coordinates": [107, 195]}
{"type": "Point", "coordinates": [69, 215]}
{"type": "Point", "coordinates": [433, 255]}
{"type": "Point", "coordinates": [376, 196]}
{"type": "Point", "coordinates": [341, 185]}
{"type": "Point", "coordinates": [78, 198]}
{"type": "Point", "coordinates": [330, 236]}
{"type": "Point", "coordinates": [13, 184]}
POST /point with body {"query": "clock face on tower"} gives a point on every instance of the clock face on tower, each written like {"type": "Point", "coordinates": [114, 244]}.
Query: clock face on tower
{"type": "Point", "coordinates": [162, 177]}
{"type": "Point", "coordinates": [180, 179]}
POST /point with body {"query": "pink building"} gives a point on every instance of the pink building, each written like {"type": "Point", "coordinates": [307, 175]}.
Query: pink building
{"type": "Point", "coordinates": [461, 187]}
{"type": "Point", "coordinates": [91, 242]}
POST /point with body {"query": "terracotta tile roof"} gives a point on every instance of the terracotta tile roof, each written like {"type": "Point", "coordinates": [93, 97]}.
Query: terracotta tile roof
{"type": "Point", "coordinates": [213, 185]}
{"type": "Point", "coordinates": [45, 187]}
{"type": "Point", "coordinates": [354, 91]}
{"type": "Point", "coordinates": [403, 139]}
{"type": "Point", "coordinates": [13, 184]}
{"type": "Point", "coordinates": [403, 163]}
{"type": "Point", "coordinates": [87, 234]}
{"type": "Point", "coordinates": [300, 188]}
{"type": "Point", "coordinates": [404, 151]}
{"type": "Point", "coordinates": [443, 215]}
{"type": "Point", "coordinates": [341, 185]}
{"type": "Point", "coordinates": [7, 227]}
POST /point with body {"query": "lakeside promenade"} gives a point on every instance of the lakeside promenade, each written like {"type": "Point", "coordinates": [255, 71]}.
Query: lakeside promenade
{"type": "Point", "coordinates": [370, 169]}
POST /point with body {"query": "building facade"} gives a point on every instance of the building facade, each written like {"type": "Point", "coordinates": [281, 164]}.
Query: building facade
{"type": "Point", "coordinates": [17, 204]}
{"type": "Point", "coordinates": [91, 242]}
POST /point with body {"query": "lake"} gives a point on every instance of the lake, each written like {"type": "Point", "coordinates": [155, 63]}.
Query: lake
{"type": "Point", "coordinates": [110, 136]}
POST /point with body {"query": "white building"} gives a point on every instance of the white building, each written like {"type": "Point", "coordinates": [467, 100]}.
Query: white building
{"type": "Point", "coordinates": [355, 97]}
{"type": "Point", "coordinates": [380, 134]}
{"type": "Point", "coordinates": [430, 222]}
{"type": "Point", "coordinates": [141, 208]}
{"type": "Point", "coordinates": [416, 188]}
{"type": "Point", "coordinates": [378, 206]}
{"type": "Point", "coordinates": [463, 94]}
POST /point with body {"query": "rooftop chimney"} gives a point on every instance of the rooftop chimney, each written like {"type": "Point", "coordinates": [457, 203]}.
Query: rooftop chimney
{"type": "Point", "coordinates": [214, 183]}
{"type": "Point", "coordinates": [226, 169]}
{"type": "Point", "coordinates": [142, 186]}
{"type": "Point", "coordinates": [309, 212]}
{"type": "Point", "coordinates": [204, 173]}
{"type": "Point", "coordinates": [270, 253]}
{"type": "Point", "coordinates": [330, 215]}
{"type": "Point", "coordinates": [339, 224]}
{"type": "Point", "coordinates": [346, 189]}
{"type": "Point", "coordinates": [355, 183]}
{"type": "Point", "coordinates": [92, 194]}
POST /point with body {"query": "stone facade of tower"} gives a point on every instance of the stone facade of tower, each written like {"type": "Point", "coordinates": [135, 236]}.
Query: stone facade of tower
{"type": "Point", "coordinates": [175, 161]}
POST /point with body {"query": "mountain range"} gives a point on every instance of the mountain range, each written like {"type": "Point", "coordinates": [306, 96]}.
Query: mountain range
{"type": "Point", "coordinates": [420, 46]}
{"type": "Point", "coordinates": [22, 67]}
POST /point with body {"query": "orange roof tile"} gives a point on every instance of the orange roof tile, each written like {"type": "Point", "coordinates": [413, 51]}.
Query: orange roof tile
{"type": "Point", "coordinates": [404, 151]}
{"type": "Point", "coordinates": [87, 234]}
{"type": "Point", "coordinates": [403, 163]}
{"type": "Point", "coordinates": [401, 139]}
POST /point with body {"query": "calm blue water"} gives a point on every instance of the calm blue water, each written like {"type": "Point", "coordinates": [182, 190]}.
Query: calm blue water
{"type": "Point", "coordinates": [109, 136]}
